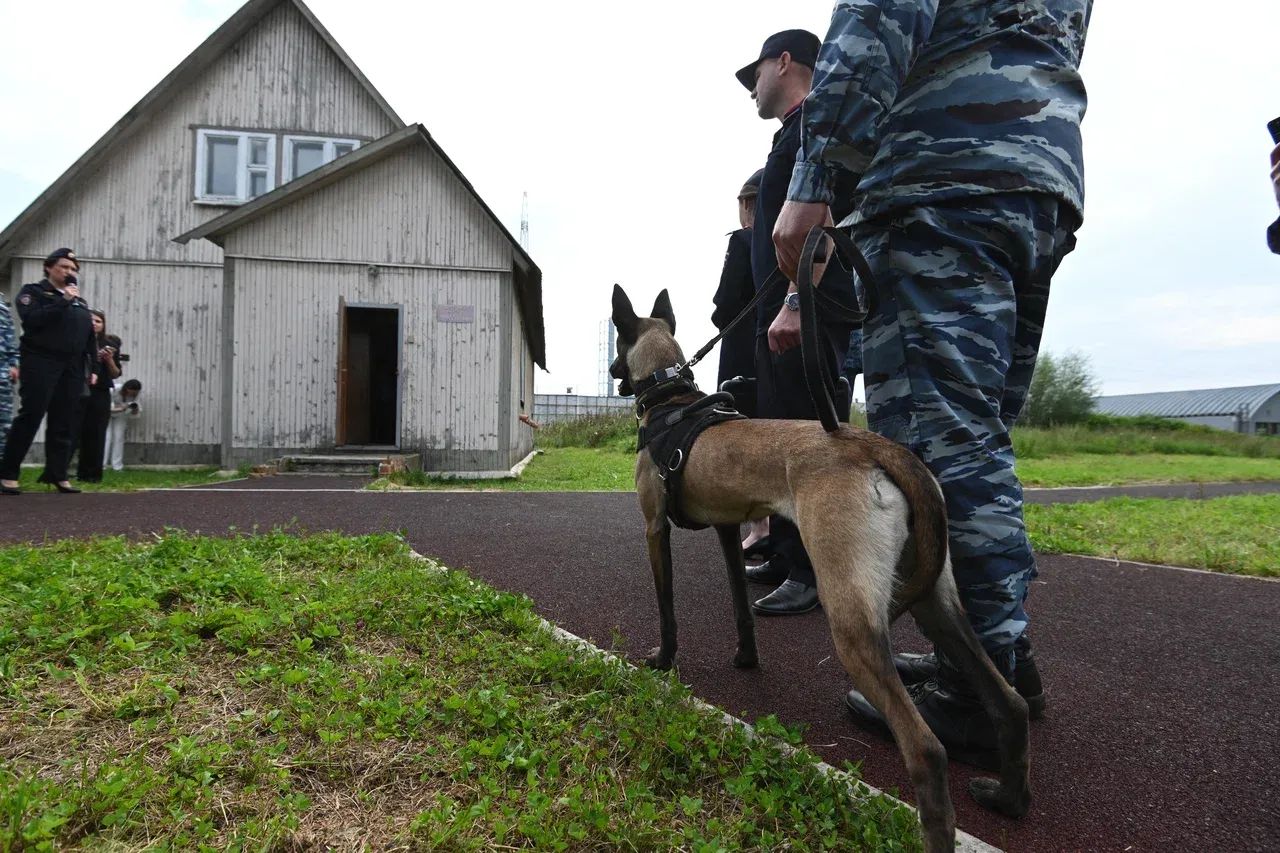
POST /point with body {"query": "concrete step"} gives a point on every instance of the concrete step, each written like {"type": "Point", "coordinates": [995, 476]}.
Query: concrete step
{"type": "Point", "coordinates": [362, 462]}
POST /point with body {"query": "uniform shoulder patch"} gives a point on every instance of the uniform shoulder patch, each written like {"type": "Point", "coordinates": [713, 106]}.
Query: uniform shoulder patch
{"type": "Point", "coordinates": [24, 299]}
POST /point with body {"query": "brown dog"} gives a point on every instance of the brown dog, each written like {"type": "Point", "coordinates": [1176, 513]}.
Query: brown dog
{"type": "Point", "coordinates": [872, 518]}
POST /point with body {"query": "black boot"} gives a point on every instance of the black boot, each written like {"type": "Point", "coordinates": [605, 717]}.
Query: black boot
{"type": "Point", "coordinates": [915, 668]}
{"type": "Point", "coordinates": [951, 711]}
{"type": "Point", "coordinates": [790, 599]}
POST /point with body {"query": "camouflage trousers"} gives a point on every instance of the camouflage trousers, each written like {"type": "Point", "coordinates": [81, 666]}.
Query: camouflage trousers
{"type": "Point", "coordinates": [6, 409]}
{"type": "Point", "coordinates": [948, 355]}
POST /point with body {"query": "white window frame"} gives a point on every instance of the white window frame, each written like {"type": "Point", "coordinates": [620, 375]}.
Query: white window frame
{"type": "Point", "coordinates": [242, 165]}
{"type": "Point", "coordinates": [329, 157]}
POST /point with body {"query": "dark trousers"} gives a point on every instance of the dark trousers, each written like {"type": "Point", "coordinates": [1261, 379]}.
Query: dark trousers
{"type": "Point", "coordinates": [95, 415]}
{"type": "Point", "coordinates": [49, 386]}
{"type": "Point", "coordinates": [783, 394]}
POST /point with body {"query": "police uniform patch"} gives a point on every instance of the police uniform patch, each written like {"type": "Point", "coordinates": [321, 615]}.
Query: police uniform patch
{"type": "Point", "coordinates": [25, 299]}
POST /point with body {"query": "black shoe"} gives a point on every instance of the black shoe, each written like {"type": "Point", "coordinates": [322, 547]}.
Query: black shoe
{"type": "Point", "coordinates": [10, 490]}
{"type": "Point", "coordinates": [761, 549]}
{"type": "Point", "coordinates": [913, 669]}
{"type": "Point", "coordinates": [765, 573]}
{"type": "Point", "coordinates": [66, 490]}
{"type": "Point", "coordinates": [955, 716]}
{"type": "Point", "coordinates": [790, 599]}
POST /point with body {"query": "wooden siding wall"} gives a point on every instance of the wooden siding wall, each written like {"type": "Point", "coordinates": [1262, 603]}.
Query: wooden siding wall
{"type": "Point", "coordinates": [521, 435]}
{"type": "Point", "coordinates": [407, 209]}
{"type": "Point", "coordinates": [167, 317]}
{"type": "Point", "coordinates": [279, 76]}
{"type": "Point", "coordinates": [287, 344]}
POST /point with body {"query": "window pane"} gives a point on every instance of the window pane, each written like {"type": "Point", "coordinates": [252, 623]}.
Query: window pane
{"type": "Point", "coordinates": [307, 156]}
{"type": "Point", "coordinates": [257, 152]}
{"type": "Point", "coordinates": [257, 184]}
{"type": "Point", "coordinates": [340, 148]}
{"type": "Point", "coordinates": [220, 167]}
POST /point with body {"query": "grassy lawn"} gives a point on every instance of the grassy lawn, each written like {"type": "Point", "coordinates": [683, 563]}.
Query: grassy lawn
{"type": "Point", "coordinates": [1098, 469]}
{"type": "Point", "coordinates": [1238, 534]}
{"type": "Point", "coordinates": [276, 693]}
{"type": "Point", "coordinates": [129, 480]}
{"type": "Point", "coordinates": [556, 469]}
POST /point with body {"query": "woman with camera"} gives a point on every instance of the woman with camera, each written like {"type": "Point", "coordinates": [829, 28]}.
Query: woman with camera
{"type": "Point", "coordinates": [96, 411]}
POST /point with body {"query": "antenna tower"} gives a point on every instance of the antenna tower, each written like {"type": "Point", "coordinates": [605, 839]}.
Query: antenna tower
{"type": "Point", "coordinates": [606, 352]}
{"type": "Point", "coordinates": [524, 223]}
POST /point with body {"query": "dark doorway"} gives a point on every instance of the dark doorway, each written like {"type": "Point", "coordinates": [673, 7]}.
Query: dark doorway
{"type": "Point", "coordinates": [370, 407]}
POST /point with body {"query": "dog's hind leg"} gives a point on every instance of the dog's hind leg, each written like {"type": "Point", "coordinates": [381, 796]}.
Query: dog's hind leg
{"type": "Point", "coordinates": [855, 535]}
{"type": "Point", "coordinates": [941, 618]}
{"type": "Point", "coordinates": [658, 538]}
{"type": "Point", "coordinates": [731, 543]}
{"type": "Point", "coordinates": [861, 634]}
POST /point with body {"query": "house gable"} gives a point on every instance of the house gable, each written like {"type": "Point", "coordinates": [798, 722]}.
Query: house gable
{"type": "Point", "coordinates": [407, 209]}
{"type": "Point", "coordinates": [127, 201]}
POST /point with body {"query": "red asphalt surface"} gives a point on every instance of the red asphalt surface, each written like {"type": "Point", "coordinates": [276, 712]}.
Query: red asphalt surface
{"type": "Point", "coordinates": [1162, 728]}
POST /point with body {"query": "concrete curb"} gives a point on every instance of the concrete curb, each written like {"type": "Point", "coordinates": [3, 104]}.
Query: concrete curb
{"type": "Point", "coordinates": [1115, 561]}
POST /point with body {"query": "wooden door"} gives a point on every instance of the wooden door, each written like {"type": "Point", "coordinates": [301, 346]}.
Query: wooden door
{"type": "Point", "coordinates": [341, 432]}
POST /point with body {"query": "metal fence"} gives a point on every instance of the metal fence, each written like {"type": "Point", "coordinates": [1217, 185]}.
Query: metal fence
{"type": "Point", "coordinates": [549, 408]}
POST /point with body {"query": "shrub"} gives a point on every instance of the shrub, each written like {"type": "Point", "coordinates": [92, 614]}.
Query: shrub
{"type": "Point", "coordinates": [1062, 391]}
{"type": "Point", "coordinates": [612, 430]}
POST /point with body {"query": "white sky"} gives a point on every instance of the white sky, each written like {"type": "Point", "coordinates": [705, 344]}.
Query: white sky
{"type": "Point", "coordinates": [626, 127]}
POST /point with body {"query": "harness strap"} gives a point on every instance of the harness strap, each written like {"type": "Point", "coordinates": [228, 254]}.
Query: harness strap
{"type": "Point", "coordinates": [669, 437]}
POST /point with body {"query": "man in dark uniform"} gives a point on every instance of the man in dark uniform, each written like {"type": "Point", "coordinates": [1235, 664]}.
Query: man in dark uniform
{"type": "Point", "coordinates": [58, 356]}
{"type": "Point", "coordinates": [778, 81]}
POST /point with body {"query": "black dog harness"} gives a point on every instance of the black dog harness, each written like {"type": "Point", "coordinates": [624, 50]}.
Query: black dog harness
{"type": "Point", "coordinates": [674, 427]}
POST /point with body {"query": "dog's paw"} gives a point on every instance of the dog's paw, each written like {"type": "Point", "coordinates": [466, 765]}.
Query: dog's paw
{"type": "Point", "coordinates": [991, 794]}
{"type": "Point", "coordinates": [746, 659]}
{"type": "Point", "coordinates": [657, 660]}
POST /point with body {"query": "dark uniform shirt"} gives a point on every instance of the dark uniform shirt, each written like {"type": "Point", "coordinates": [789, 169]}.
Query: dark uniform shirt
{"type": "Point", "coordinates": [837, 282]}
{"type": "Point", "coordinates": [54, 326]}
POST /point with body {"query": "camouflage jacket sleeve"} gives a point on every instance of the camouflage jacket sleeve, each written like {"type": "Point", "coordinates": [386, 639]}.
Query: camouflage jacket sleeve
{"type": "Point", "coordinates": [864, 60]}
{"type": "Point", "coordinates": [8, 346]}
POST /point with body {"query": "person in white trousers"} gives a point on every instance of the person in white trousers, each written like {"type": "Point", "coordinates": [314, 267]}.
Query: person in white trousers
{"type": "Point", "coordinates": [124, 406]}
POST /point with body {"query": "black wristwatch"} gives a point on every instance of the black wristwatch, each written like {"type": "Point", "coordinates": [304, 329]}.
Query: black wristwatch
{"type": "Point", "coordinates": [792, 301]}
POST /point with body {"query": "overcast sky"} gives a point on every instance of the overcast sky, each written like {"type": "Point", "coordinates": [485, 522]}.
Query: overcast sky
{"type": "Point", "coordinates": [626, 127]}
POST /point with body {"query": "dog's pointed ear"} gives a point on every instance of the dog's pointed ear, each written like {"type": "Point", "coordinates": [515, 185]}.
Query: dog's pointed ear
{"type": "Point", "coordinates": [624, 316]}
{"type": "Point", "coordinates": [662, 310]}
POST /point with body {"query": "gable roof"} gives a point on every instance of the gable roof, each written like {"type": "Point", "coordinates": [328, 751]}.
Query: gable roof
{"type": "Point", "coordinates": [1187, 404]}
{"type": "Point", "coordinates": [244, 20]}
{"type": "Point", "coordinates": [528, 286]}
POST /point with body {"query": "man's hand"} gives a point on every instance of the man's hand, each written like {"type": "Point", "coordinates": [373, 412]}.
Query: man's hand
{"type": "Point", "coordinates": [93, 379]}
{"type": "Point", "coordinates": [71, 292]}
{"type": "Point", "coordinates": [1275, 174]}
{"type": "Point", "coordinates": [13, 375]}
{"type": "Point", "coordinates": [789, 232]}
{"type": "Point", "coordinates": [784, 331]}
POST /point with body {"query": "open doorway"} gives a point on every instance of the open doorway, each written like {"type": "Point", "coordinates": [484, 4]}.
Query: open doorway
{"type": "Point", "coordinates": [369, 376]}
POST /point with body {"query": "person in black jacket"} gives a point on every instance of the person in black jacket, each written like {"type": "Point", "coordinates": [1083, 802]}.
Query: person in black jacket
{"type": "Point", "coordinates": [58, 355]}
{"type": "Point", "coordinates": [738, 348]}
{"type": "Point", "coordinates": [95, 410]}
{"type": "Point", "coordinates": [779, 81]}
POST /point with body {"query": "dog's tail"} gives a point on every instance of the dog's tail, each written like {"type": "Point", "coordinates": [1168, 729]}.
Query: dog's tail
{"type": "Point", "coordinates": [928, 521]}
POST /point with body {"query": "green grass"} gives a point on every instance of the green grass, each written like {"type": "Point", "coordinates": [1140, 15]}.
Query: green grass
{"type": "Point", "coordinates": [276, 693]}
{"type": "Point", "coordinates": [556, 469]}
{"type": "Point", "coordinates": [1238, 534]}
{"type": "Point", "coordinates": [1137, 436]}
{"type": "Point", "coordinates": [129, 480]}
{"type": "Point", "coordinates": [1115, 469]}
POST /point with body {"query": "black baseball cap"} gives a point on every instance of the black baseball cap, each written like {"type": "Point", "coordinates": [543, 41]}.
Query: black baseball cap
{"type": "Point", "coordinates": [801, 44]}
{"type": "Point", "coordinates": [58, 254]}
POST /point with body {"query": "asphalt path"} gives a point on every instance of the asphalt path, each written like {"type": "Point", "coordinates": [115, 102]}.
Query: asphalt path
{"type": "Point", "coordinates": [1161, 732]}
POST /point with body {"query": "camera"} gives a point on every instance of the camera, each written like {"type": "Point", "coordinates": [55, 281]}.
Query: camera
{"type": "Point", "coordinates": [122, 357]}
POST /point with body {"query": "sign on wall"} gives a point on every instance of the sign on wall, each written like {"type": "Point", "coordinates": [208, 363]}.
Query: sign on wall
{"type": "Point", "coordinates": [456, 313]}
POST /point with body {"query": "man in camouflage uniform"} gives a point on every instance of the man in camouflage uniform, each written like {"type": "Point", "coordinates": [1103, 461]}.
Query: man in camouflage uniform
{"type": "Point", "coordinates": [955, 127]}
{"type": "Point", "coordinates": [8, 371]}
